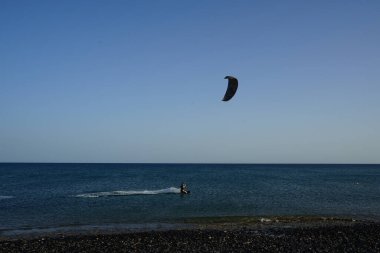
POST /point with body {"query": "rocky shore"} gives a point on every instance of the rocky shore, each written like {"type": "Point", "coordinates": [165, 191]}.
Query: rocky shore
{"type": "Point", "coordinates": [355, 237]}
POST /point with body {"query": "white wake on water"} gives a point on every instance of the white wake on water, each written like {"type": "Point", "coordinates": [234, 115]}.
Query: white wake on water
{"type": "Point", "coordinates": [128, 193]}
{"type": "Point", "coordinates": [6, 197]}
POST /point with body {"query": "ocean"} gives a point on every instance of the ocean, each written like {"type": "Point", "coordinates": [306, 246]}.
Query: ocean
{"type": "Point", "coordinates": [57, 196]}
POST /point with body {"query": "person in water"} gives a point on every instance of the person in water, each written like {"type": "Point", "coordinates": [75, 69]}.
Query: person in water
{"type": "Point", "coordinates": [184, 189]}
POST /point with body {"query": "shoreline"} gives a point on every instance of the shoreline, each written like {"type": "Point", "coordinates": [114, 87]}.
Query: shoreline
{"type": "Point", "coordinates": [193, 223]}
{"type": "Point", "coordinates": [332, 235]}
{"type": "Point", "coordinates": [208, 222]}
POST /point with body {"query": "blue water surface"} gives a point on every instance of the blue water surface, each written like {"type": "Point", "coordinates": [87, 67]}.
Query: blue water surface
{"type": "Point", "coordinates": [58, 195]}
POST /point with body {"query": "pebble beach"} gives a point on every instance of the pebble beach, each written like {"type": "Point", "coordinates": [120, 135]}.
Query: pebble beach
{"type": "Point", "coordinates": [352, 237]}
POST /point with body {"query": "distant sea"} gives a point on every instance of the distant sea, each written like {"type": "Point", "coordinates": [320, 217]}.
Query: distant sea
{"type": "Point", "coordinates": [56, 196]}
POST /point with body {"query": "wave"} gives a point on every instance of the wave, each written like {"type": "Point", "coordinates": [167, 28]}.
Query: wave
{"type": "Point", "coordinates": [128, 193]}
{"type": "Point", "coordinates": [6, 197]}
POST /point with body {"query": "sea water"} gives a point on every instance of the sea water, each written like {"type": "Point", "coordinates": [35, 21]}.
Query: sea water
{"type": "Point", "coordinates": [48, 196]}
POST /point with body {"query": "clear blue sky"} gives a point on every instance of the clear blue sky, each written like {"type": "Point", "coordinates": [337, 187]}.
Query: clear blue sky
{"type": "Point", "coordinates": [142, 81]}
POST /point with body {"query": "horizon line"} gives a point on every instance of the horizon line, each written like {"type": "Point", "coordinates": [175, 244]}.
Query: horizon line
{"type": "Point", "coordinates": [216, 163]}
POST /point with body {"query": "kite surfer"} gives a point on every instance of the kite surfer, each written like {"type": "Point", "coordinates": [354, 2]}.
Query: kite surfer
{"type": "Point", "coordinates": [183, 188]}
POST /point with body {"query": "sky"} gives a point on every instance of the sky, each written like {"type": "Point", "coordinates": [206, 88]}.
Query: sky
{"type": "Point", "coordinates": [142, 81]}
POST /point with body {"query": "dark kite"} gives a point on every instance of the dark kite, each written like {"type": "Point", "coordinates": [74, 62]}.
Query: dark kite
{"type": "Point", "coordinates": [231, 89]}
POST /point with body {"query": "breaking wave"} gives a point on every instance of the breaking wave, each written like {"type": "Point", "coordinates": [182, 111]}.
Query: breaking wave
{"type": "Point", "coordinates": [128, 193]}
